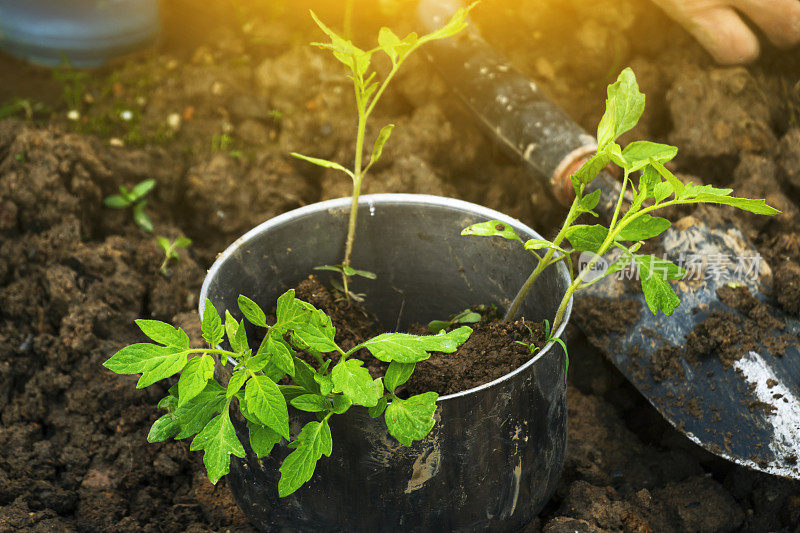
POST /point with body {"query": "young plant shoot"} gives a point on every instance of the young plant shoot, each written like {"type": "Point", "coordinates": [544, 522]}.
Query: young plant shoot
{"type": "Point", "coordinates": [629, 226]}
{"type": "Point", "coordinates": [171, 250]}
{"type": "Point", "coordinates": [368, 90]}
{"type": "Point", "coordinates": [198, 405]}
{"type": "Point", "coordinates": [134, 198]}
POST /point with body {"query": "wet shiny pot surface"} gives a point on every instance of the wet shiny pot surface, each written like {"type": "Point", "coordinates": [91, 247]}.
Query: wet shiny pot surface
{"type": "Point", "coordinates": [496, 451]}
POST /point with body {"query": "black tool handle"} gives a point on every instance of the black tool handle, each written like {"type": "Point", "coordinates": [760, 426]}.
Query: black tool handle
{"type": "Point", "coordinates": [519, 115]}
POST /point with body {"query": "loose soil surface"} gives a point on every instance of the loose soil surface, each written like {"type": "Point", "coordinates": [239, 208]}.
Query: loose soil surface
{"type": "Point", "coordinates": [214, 111]}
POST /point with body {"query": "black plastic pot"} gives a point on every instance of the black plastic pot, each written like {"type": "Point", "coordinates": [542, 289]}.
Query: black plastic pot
{"type": "Point", "coordinates": [496, 452]}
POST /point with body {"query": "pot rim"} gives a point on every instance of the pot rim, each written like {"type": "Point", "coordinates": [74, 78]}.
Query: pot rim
{"type": "Point", "coordinates": [395, 198]}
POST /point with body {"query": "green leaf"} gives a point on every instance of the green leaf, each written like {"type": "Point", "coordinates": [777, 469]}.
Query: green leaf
{"type": "Point", "coordinates": [492, 228]}
{"type": "Point", "coordinates": [346, 52]}
{"type": "Point", "coordinates": [313, 403]}
{"type": "Point", "coordinates": [116, 201]}
{"type": "Point", "coordinates": [590, 169]}
{"type": "Point", "coordinates": [585, 238]}
{"type": "Point", "coordinates": [164, 333]}
{"type": "Point", "coordinates": [142, 188]}
{"type": "Point", "coordinates": [538, 244]}
{"type": "Point", "coordinates": [758, 207]}
{"type": "Point", "coordinates": [470, 318]}
{"type": "Point", "coordinates": [182, 242]}
{"type": "Point", "coordinates": [290, 392]}
{"type": "Point", "coordinates": [387, 40]}
{"type": "Point", "coordinates": [323, 163]}
{"type": "Point", "coordinates": [456, 23]}
{"type": "Point", "coordinates": [411, 419]}
{"type": "Point", "coordinates": [141, 219]}
{"type": "Point", "coordinates": [325, 383]}
{"type": "Point", "coordinates": [154, 362]}
{"type": "Point", "coordinates": [638, 154]}
{"type": "Point", "coordinates": [304, 376]}
{"type": "Point", "coordinates": [194, 377]}
{"type": "Point", "coordinates": [195, 413]}
{"type": "Point", "coordinates": [644, 227]}
{"type": "Point", "coordinates": [265, 401]}
{"type": "Point", "coordinates": [435, 326]}
{"type": "Point", "coordinates": [313, 442]}
{"type": "Point", "coordinates": [275, 351]}
{"type": "Point", "coordinates": [212, 325]}
{"type": "Point", "coordinates": [252, 311]}
{"type": "Point", "coordinates": [363, 273]}
{"type": "Point", "coordinates": [164, 428]}
{"type": "Point", "coordinates": [219, 441]}
{"type": "Point", "coordinates": [677, 185]}
{"type": "Point", "coordinates": [624, 106]}
{"type": "Point", "coordinates": [407, 348]}
{"type": "Point", "coordinates": [290, 313]}
{"type": "Point", "coordinates": [589, 202]}
{"type": "Point", "coordinates": [377, 410]}
{"type": "Point", "coordinates": [383, 136]}
{"type": "Point", "coordinates": [236, 382]}
{"type": "Point", "coordinates": [352, 379]}
{"type": "Point", "coordinates": [655, 275]}
{"type": "Point", "coordinates": [397, 374]}
{"type": "Point", "coordinates": [237, 334]}
{"type": "Point", "coordinates": [318, 333]}
{"type": "Point", "coordinates": [341, 404]}
{"type": "Point", "coordinates": [262, 439]}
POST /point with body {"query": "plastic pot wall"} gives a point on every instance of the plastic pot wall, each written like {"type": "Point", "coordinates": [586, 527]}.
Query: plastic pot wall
{"type": "Point", "coordinates": [496, 452]}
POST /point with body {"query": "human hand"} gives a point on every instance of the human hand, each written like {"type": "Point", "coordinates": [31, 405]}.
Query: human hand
{"type": "Point", "coordinates": [718, 26]}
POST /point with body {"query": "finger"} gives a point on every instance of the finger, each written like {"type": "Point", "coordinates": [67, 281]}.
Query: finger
{"type": "Point", "coordinates": [780, 19]}
{"type": "Point", "coordinates": [724, 34]}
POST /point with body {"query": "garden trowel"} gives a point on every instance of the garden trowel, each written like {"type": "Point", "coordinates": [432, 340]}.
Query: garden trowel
{"type": "Point", "coordinates": [745, 407]}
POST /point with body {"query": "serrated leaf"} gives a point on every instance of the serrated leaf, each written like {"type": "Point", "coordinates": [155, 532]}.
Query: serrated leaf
{"type": "Point", "coordinates": [212, 329]}
{"type": "Point", "coordinates": [265, 401]}
{"type": "Point", "coordinates": [411, 419]}
{"type": "Point", "coordinates": [492, 228]}
{"type": "Point", "coordinates": [313, 442]}
{"type": "Point", "coordinates": [590, 201]}
{"type": "Point", "coordinates": [276, 352]}
{"type": "Point", "coordinates": [590, 169]}
{"type": "Point", "coordinates": [252, 311]}
{"type": "Point", "coordinates": [237, 333]}
{"type": "Point", "coordinates": [236, 382]}
{"type": "Point", "coordinates": [291, 392]}
{"type": "Point", "coordinates": [304, 376]}
{"type": "Point", "coordinates": [154, 362]}
{"type": "Point", "coordinates": [262, 439]}
{"type": "Point", "coordinates": [655, 275]}
{"type": "Point", "coordinates": [638, 154]}
{"type": "Point", "coordinates": [457, 22]}
{"type": "Point", "coordinates": [195, 413]}
{"type": "Point", "coordinates": [341, 404]}
{"type": "Point", "coordinates": [757, 206]}
{"type": "Point", "coordinates": [218, 440]}
{"type": "Point", "coordinates": [377, 410]}
{"type": "Point", "coordinates": [383, 136]}
{"type": "Point", "coordinates": [643, 227]}
{"type": "Point", "coordinates": [353, 380]}
{"type": "Point", "coordinates": [290, 314]}
{"type": "Point", "coordinates": [677, 185]}
{"type": "Point", "coordinates": [388, 42]}
{"type": "Point", "coordinates": [164, 428]}
{"type": "Point", "coordinates": [318, 333]}
{"type": "Point", "coordinates": [325, 383]}
{"type": "Point", "coordinates": [164, 333]}
{"type": "Point", "coordinates": [194, 377]}
{"type": "Point", "coordinates": [397, 374]}
{"type": "Point", "coordinates": [313, 403]}
{"type": "Point", "coordinates": [585, 238]}
{"type": "Point", "coordinates": [624, 106]}
{"type": "Point", "coordinates": [407, 348]}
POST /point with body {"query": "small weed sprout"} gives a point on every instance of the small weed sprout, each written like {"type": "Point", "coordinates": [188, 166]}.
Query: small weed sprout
{"type": "Point", "coordinates": [199, 405]}
{"type": "Point", "coordinates": [134, 198]}
{"type": "Point", "coordinates": [171, 250]}
{"type": "Point", "coordinates": [368, 91]}
{"type": "Point", "coordinates": [467, 316]}
{"type": "Point", "coordinates": [657, 189]}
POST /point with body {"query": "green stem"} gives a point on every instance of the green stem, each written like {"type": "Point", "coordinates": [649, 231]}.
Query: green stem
{"type": "Point", "coordinates": [543, 263]}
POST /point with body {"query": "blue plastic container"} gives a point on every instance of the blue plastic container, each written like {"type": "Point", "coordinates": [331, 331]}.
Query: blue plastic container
{"type": "Point", "coordinates": [87, 33]}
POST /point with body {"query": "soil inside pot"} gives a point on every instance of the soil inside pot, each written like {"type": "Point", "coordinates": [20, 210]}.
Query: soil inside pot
{"type": "Point", "coordinates": [489, 353]}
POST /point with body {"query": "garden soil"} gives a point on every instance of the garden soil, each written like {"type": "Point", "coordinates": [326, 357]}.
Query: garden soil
{"type": "Point", "coordinates": [214, 110]}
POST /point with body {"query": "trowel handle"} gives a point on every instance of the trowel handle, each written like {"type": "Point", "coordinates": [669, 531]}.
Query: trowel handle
{"type": "Point", "coordinates": [520, 116]}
